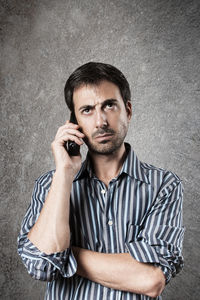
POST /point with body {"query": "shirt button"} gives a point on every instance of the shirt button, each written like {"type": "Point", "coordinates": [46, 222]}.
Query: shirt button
{"type": "Point", "coordinates": [103, 191]}
{"type": "Point", "coordinates": [110, 222]}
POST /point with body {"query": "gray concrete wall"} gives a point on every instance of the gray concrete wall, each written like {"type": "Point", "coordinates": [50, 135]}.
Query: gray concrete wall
{"type": "Point", "coordinates": [156, 44]}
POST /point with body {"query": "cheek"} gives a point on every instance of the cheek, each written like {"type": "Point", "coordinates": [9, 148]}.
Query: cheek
{"type": "Point", "coordinates": [119, 119]}
{"type": "Point", "coordinates": [86, 128]}
{"type": "Point", "coordinates": [123, 123]}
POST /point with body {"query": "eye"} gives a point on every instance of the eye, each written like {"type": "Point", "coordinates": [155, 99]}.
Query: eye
{"type": "Point", "coordinates": [86, 111]}
{"type": "Point", "coordinates": [109, 105]}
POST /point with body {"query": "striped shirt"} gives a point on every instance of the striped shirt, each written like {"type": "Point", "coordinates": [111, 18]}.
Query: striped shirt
{"type": "Point", "coordinates": [139, 213]}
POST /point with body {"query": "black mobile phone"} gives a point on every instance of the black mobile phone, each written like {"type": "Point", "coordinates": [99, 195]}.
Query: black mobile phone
{"type": "Point", "coordinates": [71, 147]}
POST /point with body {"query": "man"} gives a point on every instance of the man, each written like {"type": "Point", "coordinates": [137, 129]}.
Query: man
{"type": "Point", "coordinates": [110, 227]}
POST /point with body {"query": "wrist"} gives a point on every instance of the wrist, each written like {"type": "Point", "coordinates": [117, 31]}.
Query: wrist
{"type": "Point", "coordinates": [79, 254]}
{"type": "Point", "coordinates": [64, 173]}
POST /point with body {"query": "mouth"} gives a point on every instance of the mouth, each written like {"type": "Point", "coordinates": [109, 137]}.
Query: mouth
{"type": "Point", "coordinates": [103, 137]}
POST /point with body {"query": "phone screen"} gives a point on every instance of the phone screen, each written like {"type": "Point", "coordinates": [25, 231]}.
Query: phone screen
{"type": "Point", "coordinates": [71, 147]}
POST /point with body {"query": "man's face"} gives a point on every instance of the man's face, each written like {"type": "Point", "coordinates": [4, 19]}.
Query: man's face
{"type": "Point", "coordinates": [102, 116]}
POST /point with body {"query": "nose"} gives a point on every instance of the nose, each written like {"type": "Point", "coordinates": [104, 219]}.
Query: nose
{"type": "Point", "coordinates": [101, 119]}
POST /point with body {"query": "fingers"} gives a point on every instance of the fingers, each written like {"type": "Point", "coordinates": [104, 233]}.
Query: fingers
{"type": "Point", "coordinates": [69, 128]}
{"type": "Point", "coordinates": [66, 137]}
{"type": "Point", "coordinates": [68, 125]}
{"type": "Point", "coordinates": [69, 131]}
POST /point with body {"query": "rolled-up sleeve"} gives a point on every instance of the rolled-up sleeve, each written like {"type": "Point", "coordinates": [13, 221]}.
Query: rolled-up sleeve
{"type": "Point", "coordinates": [158, 240]}
{"type": "Point", "coordinates": [40, 265]}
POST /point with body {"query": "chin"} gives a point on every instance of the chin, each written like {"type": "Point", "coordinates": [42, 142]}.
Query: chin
{"type": "Point", "coordinates": [105, 148]}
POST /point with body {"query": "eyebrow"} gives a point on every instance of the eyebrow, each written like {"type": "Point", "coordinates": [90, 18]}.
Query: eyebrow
{"type": "Point", "coordinates": [105, 102]}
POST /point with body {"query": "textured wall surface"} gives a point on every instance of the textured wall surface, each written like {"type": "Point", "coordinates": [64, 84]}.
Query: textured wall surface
{"type": "Point", "coordinates": [156, 44]}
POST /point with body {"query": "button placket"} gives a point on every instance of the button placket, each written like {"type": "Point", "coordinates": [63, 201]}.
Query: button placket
{"type": "Point", "coordinates": [110, 222]}
{"type": "Point", "coordinates": [103, 191]}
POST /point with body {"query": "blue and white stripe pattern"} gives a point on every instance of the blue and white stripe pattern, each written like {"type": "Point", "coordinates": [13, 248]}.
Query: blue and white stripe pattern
{"type": "Point", "coordinates": [140, 213]}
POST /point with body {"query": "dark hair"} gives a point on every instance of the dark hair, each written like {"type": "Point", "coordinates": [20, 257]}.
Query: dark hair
{"type": "Point", "coordinates": [93, 73]}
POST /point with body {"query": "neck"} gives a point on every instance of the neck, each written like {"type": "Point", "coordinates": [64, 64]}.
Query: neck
{"type": "Point", "coordinates": [107, 167]}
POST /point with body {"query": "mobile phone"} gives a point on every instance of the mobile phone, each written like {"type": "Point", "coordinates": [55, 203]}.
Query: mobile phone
{"type": "Point", "coordinates": [71, 147]}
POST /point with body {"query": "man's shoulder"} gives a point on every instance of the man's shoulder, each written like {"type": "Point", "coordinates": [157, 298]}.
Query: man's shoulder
{"type": "Point", "coordinates": [162, 174]}
{"type": "Point", "coordinates": [46, 178]}
{"type": "Point", "coordinates": [162, 180]}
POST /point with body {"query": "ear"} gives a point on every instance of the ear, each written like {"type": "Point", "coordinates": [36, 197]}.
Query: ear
{"type": "Point", "coordinates": [129, 109]}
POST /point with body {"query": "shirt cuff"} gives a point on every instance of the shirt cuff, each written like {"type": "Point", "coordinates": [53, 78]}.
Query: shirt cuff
{"type": "Point", "coordinates": [63, 261]}
{"type": "Point", "coordinates": [145, 253]}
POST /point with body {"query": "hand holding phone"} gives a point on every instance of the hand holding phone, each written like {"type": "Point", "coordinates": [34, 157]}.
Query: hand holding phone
{"type": "Point", "coordinates": [71, 147]}
{"type": "Point", "coordinates": [71, 160]}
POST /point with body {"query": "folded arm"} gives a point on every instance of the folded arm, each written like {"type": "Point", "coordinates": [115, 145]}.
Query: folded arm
{"type": "Point", "coordinates": [42, 265]}
{"type": "Point", "coordinates": [154, 249]}
{"type": "Point", "coordinates": [44, 239]}
{"type": "Point", "coordinates": [120, 271]}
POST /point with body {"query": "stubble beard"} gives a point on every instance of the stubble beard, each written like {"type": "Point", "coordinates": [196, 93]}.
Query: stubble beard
{"type": "Point", "coordinates": [108, 147]}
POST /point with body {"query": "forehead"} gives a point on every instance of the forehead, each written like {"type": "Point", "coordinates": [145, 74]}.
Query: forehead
{"type": "Point", "coordinates": [91, 94]}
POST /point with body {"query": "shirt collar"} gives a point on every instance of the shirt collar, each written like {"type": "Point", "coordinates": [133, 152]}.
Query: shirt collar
{"type": "Point", "coordinates": [132, 166]}
{"type": "Point", "coordinates": [86, 169]}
